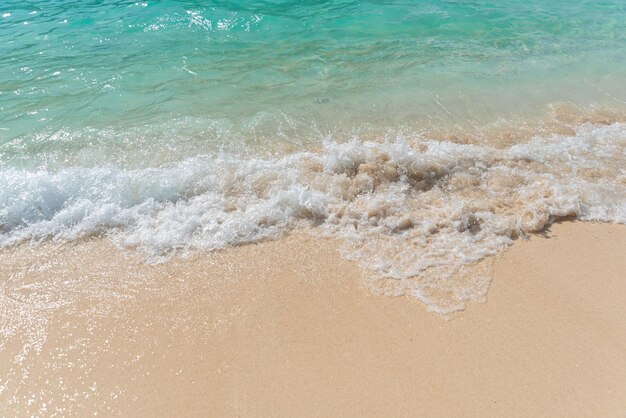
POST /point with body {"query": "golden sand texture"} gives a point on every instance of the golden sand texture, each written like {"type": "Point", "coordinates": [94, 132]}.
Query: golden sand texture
{"type": "Point", "coordinates": [287, 328]}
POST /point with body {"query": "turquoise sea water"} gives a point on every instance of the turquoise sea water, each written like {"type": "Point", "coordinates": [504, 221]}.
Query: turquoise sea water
{"type": "Point", "coordinates": [181, 125]}
{"type": "Point", "coordinates": [291, 67]}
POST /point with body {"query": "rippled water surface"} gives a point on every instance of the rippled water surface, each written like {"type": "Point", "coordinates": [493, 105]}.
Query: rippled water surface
{"type": "Point", "coordinates": [227, 71]}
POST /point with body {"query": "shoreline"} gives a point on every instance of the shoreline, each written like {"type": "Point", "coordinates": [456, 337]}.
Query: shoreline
{"type": "Point", "coordinates": [288, 327]}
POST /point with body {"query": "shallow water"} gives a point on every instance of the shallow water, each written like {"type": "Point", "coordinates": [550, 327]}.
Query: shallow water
{"type": "Point", "coordinates": [427, 136]}
{"type": "Point", "coordinates": [293, 71]}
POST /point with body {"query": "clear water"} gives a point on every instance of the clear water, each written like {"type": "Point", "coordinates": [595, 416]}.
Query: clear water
{"type": "Point", "coordinates": [180, 125]}
{"type": "Point", "coordinates": [265, 68]}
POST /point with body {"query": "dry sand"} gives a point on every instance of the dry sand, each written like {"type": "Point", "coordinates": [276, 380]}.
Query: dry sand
{"type": "Point", "coordinates": [287, 328]}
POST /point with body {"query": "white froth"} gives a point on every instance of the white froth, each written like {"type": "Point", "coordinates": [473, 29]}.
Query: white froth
{"type": "Point", "coordinates": [420, 213]}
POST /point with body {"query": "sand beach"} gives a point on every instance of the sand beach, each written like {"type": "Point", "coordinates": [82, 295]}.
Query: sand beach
{"type": "Point", "coordinates": [288, 327]}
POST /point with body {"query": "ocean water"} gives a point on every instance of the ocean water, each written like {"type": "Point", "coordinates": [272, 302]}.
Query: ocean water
{"type": "Point", "coordinates": [426, 135]}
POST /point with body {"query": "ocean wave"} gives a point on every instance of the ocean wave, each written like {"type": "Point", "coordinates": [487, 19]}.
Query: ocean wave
{"type": "Point", "coordinates": [419, 213]}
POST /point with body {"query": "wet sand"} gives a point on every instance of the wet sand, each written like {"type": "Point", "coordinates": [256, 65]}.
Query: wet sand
{"type": "Point", "coordinates": [289, 328]}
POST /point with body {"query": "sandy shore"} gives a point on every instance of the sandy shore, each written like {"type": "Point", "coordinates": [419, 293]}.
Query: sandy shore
{"type": "Point", "coordinates": [287, 328]}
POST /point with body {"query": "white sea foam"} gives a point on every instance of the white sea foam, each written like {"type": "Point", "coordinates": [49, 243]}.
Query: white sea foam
{"type": "Point", "coordinates": [418, 212]}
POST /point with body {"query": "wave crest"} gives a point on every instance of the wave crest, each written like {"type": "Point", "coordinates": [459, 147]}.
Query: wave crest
{"type": "Point", "coordinates": [420, 213]}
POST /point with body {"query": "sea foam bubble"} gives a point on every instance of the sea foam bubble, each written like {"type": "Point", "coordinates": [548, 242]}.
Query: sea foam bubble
{"type": "Point", "coordinates": [417, 212]}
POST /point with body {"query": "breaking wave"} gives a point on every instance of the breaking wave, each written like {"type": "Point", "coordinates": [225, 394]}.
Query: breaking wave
{"type": "Point", "coordinates": [418, 212]}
